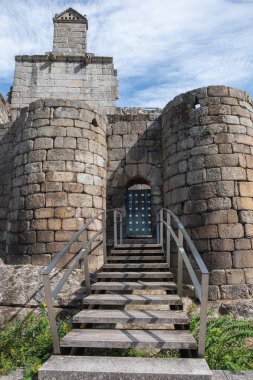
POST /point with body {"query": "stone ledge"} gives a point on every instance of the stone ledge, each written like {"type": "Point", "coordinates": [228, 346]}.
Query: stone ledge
{"type": "Point", "coordinates": [63, 58]}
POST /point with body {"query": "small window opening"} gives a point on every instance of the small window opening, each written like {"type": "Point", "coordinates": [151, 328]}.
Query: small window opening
{"type": "Point", "coordinates": [196, 104]}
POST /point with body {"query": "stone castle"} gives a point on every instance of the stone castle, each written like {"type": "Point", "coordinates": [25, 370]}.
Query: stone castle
{"type": "Point", "coordinates": [68, 152]}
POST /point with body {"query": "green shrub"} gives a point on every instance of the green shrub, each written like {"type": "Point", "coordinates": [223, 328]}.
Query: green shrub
{"type": "Point", "coordinates": [228, 344]}
{"type": "Point", "coordinates": [27, 343]}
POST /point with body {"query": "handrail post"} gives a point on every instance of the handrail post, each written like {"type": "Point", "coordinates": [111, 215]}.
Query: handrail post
{"type": "Point", "coordinates": [104, 237]}
{"type": "Point", "coordinates": [180, 265]}
{"type": "Point", "coordinates": [161, 227]}
{"type": "Point", "coordinates": [115, 226]}
{"type": "Point", "coordinates": [157, 227]}
{"type": "Point", "coordinates": [51, 315]}
{"type": "Point", "coordinates": [168, 220]}
{"type": "Point", "coordinates": [86, 272]}
{"type": "Point", "coordinates": [120, 228]}
{"type": "Point", "coordinates": [203, 314]}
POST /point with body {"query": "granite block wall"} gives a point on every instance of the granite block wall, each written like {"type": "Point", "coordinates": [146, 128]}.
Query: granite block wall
{"type": "Point", "coordinates": [91, 80]}
{"type": "Point", "coordinates": [207, 137]}
{"type": "Point", "coordinates": [134, 156]}
{"type": "Point", "coordinates": [58, 180]}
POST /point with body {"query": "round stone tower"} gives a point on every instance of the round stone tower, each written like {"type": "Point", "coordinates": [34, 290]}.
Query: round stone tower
{"type": "Point", "coordinates": [207, 137]}
{"type": "Point", "coordinates": [58, 179]}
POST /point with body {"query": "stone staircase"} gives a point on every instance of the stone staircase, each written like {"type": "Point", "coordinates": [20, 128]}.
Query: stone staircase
{"type": "Point", "coordinates": [133, 304]}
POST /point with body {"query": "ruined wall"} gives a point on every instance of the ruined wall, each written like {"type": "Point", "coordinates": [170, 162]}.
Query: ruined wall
{"type": "Point", "coordinates": [207, 137]}
{"type": "Point", "coordinates": [134, 153]}
{"type": "Point", "coordinates": [4, 113]}
{"type": "Point", "coordinates": [57, 179]}
{"type": "Point", "coordinates": [91, 80]}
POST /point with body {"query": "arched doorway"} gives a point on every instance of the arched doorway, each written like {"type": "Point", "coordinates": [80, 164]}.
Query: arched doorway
{"type": "Point", "coordinates": [138, 209]}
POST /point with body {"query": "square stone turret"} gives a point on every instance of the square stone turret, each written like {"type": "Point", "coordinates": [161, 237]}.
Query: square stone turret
{"type": "Point", "coordinates": [70, 33]}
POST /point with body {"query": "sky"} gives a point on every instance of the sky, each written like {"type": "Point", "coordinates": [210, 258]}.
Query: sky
{"type": "Point", "coordinates": [161, 48]}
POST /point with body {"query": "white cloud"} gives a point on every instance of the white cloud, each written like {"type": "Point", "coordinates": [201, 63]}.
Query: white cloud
{"type": "Point", "coordinates": [160, 47]}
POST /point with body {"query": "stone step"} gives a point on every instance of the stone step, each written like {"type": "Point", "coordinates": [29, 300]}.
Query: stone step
{"type": "Point", "coordinates": [145, 339]}
{"type": "Point", "coordinates": [142, 275]}
{"type": "Point", "coordinates": [120, 285]}
{"type": "Point", "coordinates": [139, 252]}
{"type": "Point", "coordinates": [125, 299]}
{"type": "Point", "coordinates": [131, 316]}
{"type": "Point", "coordinates": [125, 368]}
{"type": "Point", "coordinates": [137, 266]}
{"type": "Point", "coordinates": [134, 246]}
{"type": "Point", "coordinates": [136, 258]}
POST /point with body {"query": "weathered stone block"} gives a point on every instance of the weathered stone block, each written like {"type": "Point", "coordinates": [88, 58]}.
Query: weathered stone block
{"type": "Point", "coordinates": [39, 224]}
{"type": "Point", "coordinates": [56, 199]}
{"type": "Point", "coordinates": [51, 186]}
{"type": "Point", "coordinates": [219, 203]}
{"type": "Point", "coordinates": [243, 259]}
{"type": "Point", "coordinates": [65, 142]}
{"type": "Point", "coordinates": [72, 224]}
{"type": "Point", "coordinates": [54, 224]}
{"type": "Point", "coordinates": [86, 157]}
{"type": "Point", "coordinates": [227, 231]}
{"type": "Point", "coordinates": [192, 207]}
{"type": "Point", "coordinates": [129, 140]}
{"type": "Point", "coordinates": [222, 216]}
{"type": "Point", "coordinates": [93, 190]}
{"type": "Point", "coordinates": [82, 144]}
{"type": "Point", "coordinates": [80, 200]}
{"type": "Point", "coordinates": [74, 132]}
{"type": "Point", "coordinates": [243, 203]}
{"type": "Point", "coordinates": [205, 150]}
{"type": "Point", "coordinates": [217, 91]}
{"type": "Point", "coordinates": [66, 113]}
{"type": "Point", "coordinates": [51, 131]}
{"type": "Point", "coordinates": [221, 160]}
{"type": "Point", "coordinates": [45, 236]}
{"type": "Point", "coordinates": [248, 272]}
{"type": "Point", "coordinates": [230, 173]}
{"type": "Point", "coordinates": [217, 277]}
{"type": "Point", "coordinates": [60, 176]}
{"type": "Point", "coordinates": [217, 260]}
{"type": "Point", "coordinates": [37, 155]}
{"type": "Point", "coordinates": [35, 201]}
{"type": "Point", "coordinates": [242, 244]}
{"type": "Point", "coordinates": [60, 154]}
{"type": "Point", "coordinates": [43, 143]}
{"type": "Point", "coordinates": [246, 189]}
{"type": "Point", "coordinates": [246, 216]}
{"type": "Point", "coordinates": [65, 212]}
{"type": "Point", "coordinates": [234, 291]}
{"type": "Point", "coordinates": [37, 248]}
{"type": "Point", "coordinates": [222, 244]}
{"type": "Point", "coordinates": [213, 174]}
{"type": "Point", "coordinates": [205, 232]}
{"type": "Point", "coordinates": [249, 230]}
{"type": "Point", "coordinates": [114, 141]}
{"type": "Point", "coordinates": [44, 213]}
{"type": "Point", "coordinates": [73, 187]}
{"type": "Point", "coordinates": [53, 165]}
{"type": "Point", "coordinates": [86, 179]}
{"type": "Point", "coordinates": [235, 276]}
{"type": "Point", "coordinates": [213, 292]}
{"type": "Point", "coordinates": [42, 260]}
{"type": "Point", "coordinates": [203, 191]}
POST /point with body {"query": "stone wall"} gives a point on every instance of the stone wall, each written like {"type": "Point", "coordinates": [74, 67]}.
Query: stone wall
{"type": "Point", "coordinates": [58, 179]}
{"type": "Point", "coordinates": [4, 114]}
{"type": "Point", "coordinates": [92, 80]}
{"type": "Point", "coordinates": [134, 155]}
{"type": "Point", "coordinates": [207, 137]}
{"type": "Point", "coordinates": [70, 34]}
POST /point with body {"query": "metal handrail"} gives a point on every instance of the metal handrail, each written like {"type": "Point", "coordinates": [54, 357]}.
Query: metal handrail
{"type": "Point", "coordinates": [51, 294]}
{"type": "Point", "coordinates": [201, 289]}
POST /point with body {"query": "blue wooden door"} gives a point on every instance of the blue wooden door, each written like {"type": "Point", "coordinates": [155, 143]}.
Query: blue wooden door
{"type": "Point", "coordinates": [138, 205]}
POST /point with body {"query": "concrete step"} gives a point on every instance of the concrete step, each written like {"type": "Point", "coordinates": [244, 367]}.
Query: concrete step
{"type": "Point", "coordinates": [135, 258]}
{"type": "Point", "coordinates": [146, 339]}
{"type": "Point", "coordinates": [142, 266]}
{"type": "Point", "coordinates": [120, 285]}
{"type": "Point", "coordinates": [131, 316]}
{"type": "Point", "coordinates": [139, 252]}
{"type": "Point", "coordinates": [125, 299]}
{"type": "Point", "coordinates": [141, 275]}
{"type": "Point", "coordinates": [114, 368]}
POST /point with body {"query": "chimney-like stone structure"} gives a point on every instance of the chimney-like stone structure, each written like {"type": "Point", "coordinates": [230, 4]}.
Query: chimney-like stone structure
{"type": "Point", "coordinates": [70, 33]}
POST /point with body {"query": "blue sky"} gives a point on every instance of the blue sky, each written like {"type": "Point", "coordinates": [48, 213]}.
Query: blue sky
{"type": "Point", "coordinates": [161, 48]}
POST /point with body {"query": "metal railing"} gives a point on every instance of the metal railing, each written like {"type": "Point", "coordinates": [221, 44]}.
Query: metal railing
{"type": "Point", "coordinates": [201, 287]}
{"type": "Point", "coordinates": [51, 294]}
